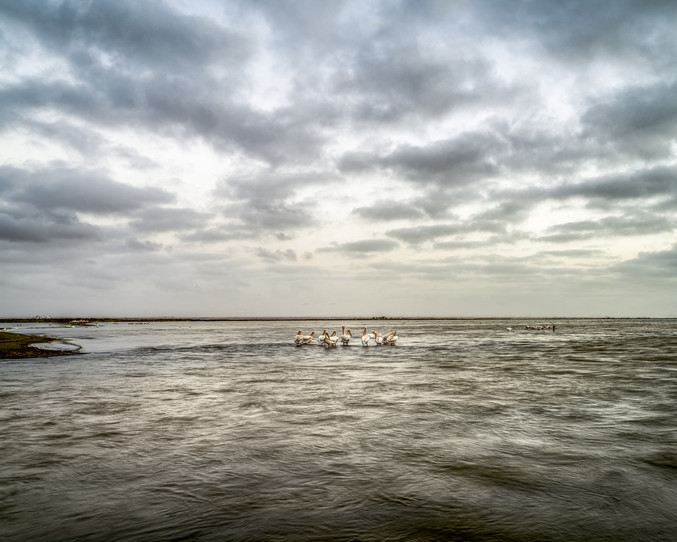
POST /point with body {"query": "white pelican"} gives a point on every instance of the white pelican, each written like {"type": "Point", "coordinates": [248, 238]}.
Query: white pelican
{"type": "Point", "coordinates": [366, 337]}
{"type": "Point", "coordinates": [304, 339]}
{"type": "Point", "coordinates": [322, 339]}
{"type": "Point", "coordinates": [391, 337]}
{"type": "Point", "coordinates": [331, 341]}
{"type": "Point", "coordinates": [345, 336]}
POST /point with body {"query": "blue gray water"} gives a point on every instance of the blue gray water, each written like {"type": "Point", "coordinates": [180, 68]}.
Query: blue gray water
{"type": "Point", "coordinates": [227, 431]}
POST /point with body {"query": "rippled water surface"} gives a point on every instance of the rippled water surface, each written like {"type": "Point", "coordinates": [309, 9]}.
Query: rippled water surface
{"type": "Point", "coordinates": [227, 431]}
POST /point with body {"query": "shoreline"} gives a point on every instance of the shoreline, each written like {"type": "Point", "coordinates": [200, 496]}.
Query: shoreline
{"type": "Point", "coordinates": [18, 346]}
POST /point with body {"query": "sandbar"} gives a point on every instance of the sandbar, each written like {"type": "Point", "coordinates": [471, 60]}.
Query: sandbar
{"type": "Point", "coordinates": [17, 345]}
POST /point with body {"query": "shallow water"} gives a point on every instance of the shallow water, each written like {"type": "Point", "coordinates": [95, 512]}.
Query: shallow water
{"type": "Point", "coordinates": [227, 431]}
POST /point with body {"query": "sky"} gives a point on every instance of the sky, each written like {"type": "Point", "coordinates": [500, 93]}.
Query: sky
{"type": "Point", "coordinates": [199, 158]}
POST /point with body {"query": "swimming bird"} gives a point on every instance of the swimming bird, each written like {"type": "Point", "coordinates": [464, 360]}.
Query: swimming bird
{"type": "Point", "coordinates": [390, 337]}
{"type": "Point", "coordinates": [304, 339]}
{"type": "Point", "coordinates": [333, 339]}
{"type": "Point", "coordinates": [322, 340]}
{"type": "Point", "coordinates": [345, 336]}
{"type": "Point", "coordinates": [365, 337]}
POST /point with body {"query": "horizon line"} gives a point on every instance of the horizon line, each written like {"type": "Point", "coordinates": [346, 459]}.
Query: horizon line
{"type": "Point", "coordinates": [40, 318]}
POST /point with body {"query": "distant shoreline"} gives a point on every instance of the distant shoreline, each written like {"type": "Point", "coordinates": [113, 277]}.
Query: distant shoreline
{"type": "Point", "coordinates": [94, 320]}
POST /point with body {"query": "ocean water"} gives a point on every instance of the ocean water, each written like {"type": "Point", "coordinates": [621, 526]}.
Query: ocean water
{"type": "Point", "coordinates": [227, 431]}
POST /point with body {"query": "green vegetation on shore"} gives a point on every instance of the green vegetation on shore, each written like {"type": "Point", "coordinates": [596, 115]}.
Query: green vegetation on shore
{"type": "Point", "coordinates": [16, 345]}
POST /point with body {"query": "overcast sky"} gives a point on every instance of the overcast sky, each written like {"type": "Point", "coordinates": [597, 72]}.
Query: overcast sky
{"type": "Point", "coordinates": [312, 158]}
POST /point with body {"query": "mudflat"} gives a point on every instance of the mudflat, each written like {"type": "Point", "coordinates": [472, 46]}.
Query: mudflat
{"type": "Point", "coordinates": [16, 345]}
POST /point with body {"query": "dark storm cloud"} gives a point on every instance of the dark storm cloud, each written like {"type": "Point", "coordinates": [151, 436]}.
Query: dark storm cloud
{"type": "Point", "coordinates": [150, 67]}
{"type": "Point", "coordinates": [137, 245]}
{"type": "Point", "coordinates": [641, 120]}
{"type": "Point", "coordinates": [660, 265]}
{"type": "Point", "coordinates": [366, 246]}
{"type": "Point", "coordinates": [389, 211]}
{"type": "Point", "coordinates": [263, 202]}
{"type": "Point", "coordinates": [391, 81]}
{"type": "Point", "coordinates": [450, 162]}
{"type": "Point", "coordinates": [271, 185]}
{"type": "Point", "coordinates": [420, 234]}
{"type": "Point", "coordinates": [62, 188]}
{"type": "Point", "coordinates": [269, 217]}
{"type": "Point", "coordinates": [628, 225]}
{"type": "Point", "coordinates": [175, 106]}
{"type": "Point", "coordinates": [499, 217]}
{"type": "Point", "coordinates": [577, 31]}
{"type": "Point", "coordinates": [655, 182]}
{"type": "Point", "coordinates": [40, 205]}
{"type": "Point", "coordinates": [220, 233]}
{"type": "Point", "coordinates": [460, 245]}
{"type": "Point", "coordinates": [147, 33]}
{"type": "Point", "coordinates": [647, 198]}
{"type": "Point", "coordinates": [32, 227]}
{"type": "Point", "coordinates": [79, 138]}
{"type": "Point", "coordinates": [277, 255]}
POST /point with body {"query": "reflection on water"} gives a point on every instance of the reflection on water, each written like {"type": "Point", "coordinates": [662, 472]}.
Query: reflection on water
{"type": "Point", "coordinates": [227, 431]}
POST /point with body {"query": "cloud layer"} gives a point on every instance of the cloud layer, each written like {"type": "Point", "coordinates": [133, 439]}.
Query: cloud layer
{"type": "Point", "coordinates": [292, 158]}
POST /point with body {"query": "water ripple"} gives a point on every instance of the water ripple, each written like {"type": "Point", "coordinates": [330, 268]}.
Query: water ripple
{"type": "Point", "coordinates": [177, 430]}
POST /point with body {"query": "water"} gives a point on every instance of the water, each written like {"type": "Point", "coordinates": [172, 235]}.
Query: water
{"type": "Point", "coordinates": [227, 431]}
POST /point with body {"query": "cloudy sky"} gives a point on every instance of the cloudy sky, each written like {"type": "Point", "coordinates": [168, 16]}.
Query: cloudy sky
{"type": "Point", "coordinates": [311, 158]}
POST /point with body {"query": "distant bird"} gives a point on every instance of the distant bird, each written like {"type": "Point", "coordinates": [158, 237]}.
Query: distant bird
{"type": "Point", "coordinates": [345, 335]}
{"type": "Point", "coordinates": [304, 339]}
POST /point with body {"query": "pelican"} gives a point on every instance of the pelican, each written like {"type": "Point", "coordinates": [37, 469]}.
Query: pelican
{"type": "Point", "coordinates": [331, 341]}
{"type": "Point", "coordinates": [390, 337]}
{"type": "Point", "coordinates": [304, 339]}
{"type": "Point", "coordinates": [378, 339]}
{"type": "Point", "coordinates": [365, 337]}
{"type": "Point", "coordinates": [345, 336]}
{"type": "Point", "coordinates": [322, 339]}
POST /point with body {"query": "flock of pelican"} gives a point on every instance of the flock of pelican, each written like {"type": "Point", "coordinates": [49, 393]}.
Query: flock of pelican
{"type": "Point", "coordinates": [328, 341]}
